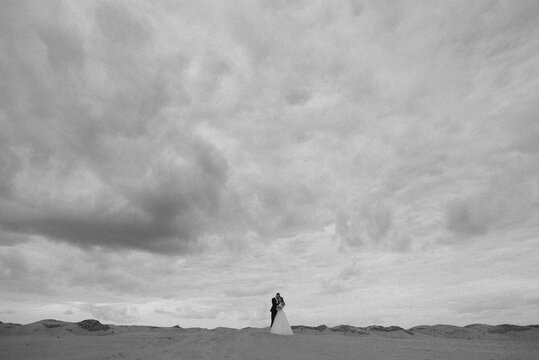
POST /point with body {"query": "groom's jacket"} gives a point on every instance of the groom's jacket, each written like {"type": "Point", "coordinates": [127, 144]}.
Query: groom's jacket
{"type": "Point", "coordinates": [274, 304]}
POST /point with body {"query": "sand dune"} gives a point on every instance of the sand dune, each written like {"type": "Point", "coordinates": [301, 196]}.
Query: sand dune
{"type": "Point", "coordinates": [89, 339]}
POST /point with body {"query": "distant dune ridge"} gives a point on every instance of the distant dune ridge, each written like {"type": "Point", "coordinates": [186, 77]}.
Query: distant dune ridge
{"type": "Point", "coordinates": [474, 331]}
{"type": "Point", "coordinates": [90, 339]}
{"type": "Point", "coordinates": [94, 327]}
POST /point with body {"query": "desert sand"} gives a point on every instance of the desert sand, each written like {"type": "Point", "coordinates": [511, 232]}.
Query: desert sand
{"type": "Point", "coordinates": [89, 339]}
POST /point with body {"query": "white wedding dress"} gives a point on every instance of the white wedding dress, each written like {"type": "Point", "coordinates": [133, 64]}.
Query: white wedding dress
{"type": "Point", "coordinates": [280, 324]}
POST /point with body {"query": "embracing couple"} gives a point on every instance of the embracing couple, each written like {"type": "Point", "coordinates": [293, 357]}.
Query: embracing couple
{"type": "Point", "coordinates": [279, 323]}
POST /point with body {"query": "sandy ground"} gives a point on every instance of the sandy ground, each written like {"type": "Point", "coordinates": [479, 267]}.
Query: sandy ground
{"type": "Point", "coordinates": [141, 342]}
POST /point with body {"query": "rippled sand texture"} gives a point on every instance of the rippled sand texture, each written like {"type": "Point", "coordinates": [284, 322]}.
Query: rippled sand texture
{"type": "Point", "coordinates": [50, 339]}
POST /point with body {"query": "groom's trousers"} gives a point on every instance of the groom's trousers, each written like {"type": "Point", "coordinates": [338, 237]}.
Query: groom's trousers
{"type": "Point", "coordinates": [273, 313]}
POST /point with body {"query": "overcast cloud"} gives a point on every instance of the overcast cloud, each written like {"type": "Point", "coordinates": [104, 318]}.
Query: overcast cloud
{"type": "Point", "coordinates": [167, 162]}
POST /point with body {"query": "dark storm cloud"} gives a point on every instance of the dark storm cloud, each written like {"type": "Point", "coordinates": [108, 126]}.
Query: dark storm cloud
{"type": "Point", "coordinates": [165, 213]}
{"type": "Point", "coordinates": [467, 218]}
{"type": "Point", "coordinates": [119, 26]}
{"type": "Point", "coordinates": [86, 156]}
{"type": "Point", "coordinates": [151, 127]}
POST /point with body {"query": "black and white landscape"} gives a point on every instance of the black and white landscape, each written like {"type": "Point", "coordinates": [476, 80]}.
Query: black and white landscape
{"type": "Point", "coordinates": [174, 162]}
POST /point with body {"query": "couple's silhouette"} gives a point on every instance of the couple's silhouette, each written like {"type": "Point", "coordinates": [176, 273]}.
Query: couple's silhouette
{"type": "Point", "coordinates": [279, 323]}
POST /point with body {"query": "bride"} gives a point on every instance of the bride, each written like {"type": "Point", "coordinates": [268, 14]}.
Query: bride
{"type": "Point", "coordinates": [280, 324]}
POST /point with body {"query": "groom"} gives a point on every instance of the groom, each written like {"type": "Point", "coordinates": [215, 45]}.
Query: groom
{"type": "Point", "coordinates": [274, 304]}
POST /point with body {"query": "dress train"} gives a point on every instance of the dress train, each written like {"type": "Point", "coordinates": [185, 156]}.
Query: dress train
{"type": "Point", "coordinates": [280, 324]}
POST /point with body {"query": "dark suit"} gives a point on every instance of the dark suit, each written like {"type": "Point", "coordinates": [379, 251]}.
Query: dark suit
{"type": "Point", "coordinates": [274, 308]}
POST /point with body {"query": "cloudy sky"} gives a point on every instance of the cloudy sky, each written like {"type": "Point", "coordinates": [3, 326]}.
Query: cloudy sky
{"type": "Point", "coordinates": [179, 162]}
